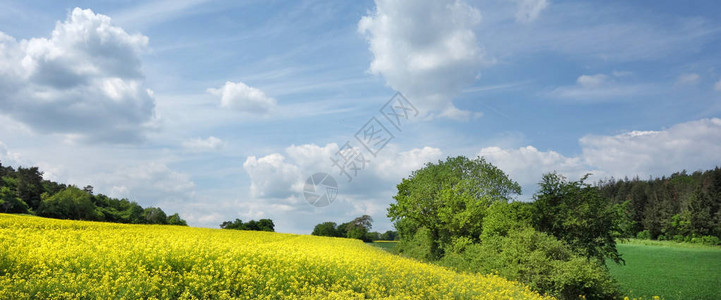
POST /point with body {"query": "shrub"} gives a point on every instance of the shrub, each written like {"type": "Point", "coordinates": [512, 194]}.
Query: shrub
{"type": "Point", "coordinates": [644, 235]}
{"type": "Point", "coordinates": [706, 240]}
{"type": "Point", "coordinates": [678, 238]}
{"type": "Point", "coordinates": [539, 260]}
{"type": "Point", "coordinates": [419, 246]}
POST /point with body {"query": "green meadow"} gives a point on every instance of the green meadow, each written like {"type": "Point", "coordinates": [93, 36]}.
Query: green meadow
{"type": "Point", "coordinates": [669, 270]}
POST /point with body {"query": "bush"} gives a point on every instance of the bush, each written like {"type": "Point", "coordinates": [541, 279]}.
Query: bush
{"type": "Point", "coordinates": [678, 238]}
{"type": "Point", "coordinates": [539, 260]}
{"type": "Point", "coordinates": [419, 246]}
{"type": "Point", "coordinates": [644, 235]}
{"type": "Point", "coordinates": [706, 240]}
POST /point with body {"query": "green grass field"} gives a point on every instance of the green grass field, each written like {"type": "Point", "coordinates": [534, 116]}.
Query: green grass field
{"type": "Point", "coordinates": [669, 270]}
{"type": "Point", "coordinates": [385, 245]}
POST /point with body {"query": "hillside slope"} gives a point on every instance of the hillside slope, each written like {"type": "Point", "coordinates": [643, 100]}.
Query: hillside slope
{"type": "Point", "coordinates": [48, 258]}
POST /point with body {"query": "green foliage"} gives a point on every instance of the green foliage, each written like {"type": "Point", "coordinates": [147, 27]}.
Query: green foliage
{"type": "Point", "coordinates": [25, 191]}
{"type": "Point", "coordinates": [644, 235]}
{"type": "Point", "coordinates": [449, 200]}
{"type": "Point", "coordinates": [706, 240]}
{"type": "Point", "coordinates": [419, 246]}
{"type": "Point", "coordinates": [29, 186]}
{"type": "Point", "coordinates": [456, 213]}
{"type": "Point", "coordinates": [175, 219]}
{"type": "Point", "coordinates": [577, 214]}
{"type": "Point", "coordinates": [389, 235]}
{"type": "Point", "coordinates": [678, 207]}
{"type": "Point", "coordinates": [260, 225]}
{"type": "Point", "coordinates": [326, 229]}
{"type": "Point", "coordinates": [70, 203]}
{"type": "Point", "coordinates": [155, 215]}
{"type": "Point", "coordinates": [358, 228]}
{"type": "Point", "coordinates": [10, 203]}
{"type": "Point", "coordinates": [538, 260]}
{"type": "Point", "coordinates": [503, 217]}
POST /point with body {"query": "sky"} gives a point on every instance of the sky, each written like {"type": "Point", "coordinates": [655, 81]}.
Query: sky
{"type": "Point", "coordinates": [222, 109]}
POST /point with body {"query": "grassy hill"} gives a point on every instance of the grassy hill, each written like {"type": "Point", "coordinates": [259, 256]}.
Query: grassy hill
{"type": "Point", "coordinates": [46, 258]}
{"type": "Point", "coordinates": [668, 269]}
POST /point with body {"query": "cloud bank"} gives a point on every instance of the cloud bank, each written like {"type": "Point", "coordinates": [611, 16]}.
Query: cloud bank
{"type": "Point", "coordinates": [85, 81]}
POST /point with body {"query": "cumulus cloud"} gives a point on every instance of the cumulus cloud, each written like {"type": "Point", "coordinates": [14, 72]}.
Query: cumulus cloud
{"type": "Point", "coordinates": [692, 145]}
{"type": "Point", "coordinates": [282, 175]}
{"type": "Point", "coordinates": [599, 87]}
{"type": "Point", "coordinates": [529, 10]}
{"type": "Point", "coordinates": [241, 97]}
{"type": "Point", "coordinates": [271, 176]}
{"type": "Point", "coordinates": [527, 164]}
{"type": "Point", "coordinates": [277, 180]}
{"type": "Point", "coordinates": [84, 81]}
{"type": "Point", "coordinates": [208, 144]}
{"type": "Point", "coordinates": [394, 166]}
{"type": "Point", "coordinates": [421, 53]}
{"type": "Point", "coordinates": [717, 86]}
{"type": "Point", "coordinates": [687, 79]}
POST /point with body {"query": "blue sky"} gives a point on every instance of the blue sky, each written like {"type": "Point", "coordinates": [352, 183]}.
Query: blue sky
{"type": "Point", "coordinates": [221, 109]}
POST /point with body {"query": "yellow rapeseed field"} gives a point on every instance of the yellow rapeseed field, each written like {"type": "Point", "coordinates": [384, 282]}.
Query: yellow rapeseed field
{"type": "Point", "coordinates": [58, 259]}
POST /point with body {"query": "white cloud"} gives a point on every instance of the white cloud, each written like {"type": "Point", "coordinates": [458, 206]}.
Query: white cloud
{"type": "Point", "coordinates": [692, 145]}
{"type": "Point", "coordinates": [272, 177]}
{"type": "Point", "coordinates": [239, 96]}
{"type": "Point", "coordinates": [527, 164]}
{"type": "Point", "coordinates": [687, 79]}
{"type": "Point", "coordinates": [592, 81]}
{"type": "Point", "coordinates": [84, 81]}
{"type": "Point", "coordinates": [8, 158]}
{"type": "Point", "coordinates": [529, 10]}
{"type": "Point", "coordinates": [397, 165]}
{"type": "Point", "coordinates": [208, 144]}
{"type": "Point", "coordinates": [277, 181]}
{"type": "Point", "coordinates": [148, 184]}
{"type": "Point", "coordinates": [717, 86]}
{"type": "Point", "coordinates": [421, 53]}
{"type": "Point", "coordinates": [597, 87]}
{"type": "Point", "coordinates": [283, 175]}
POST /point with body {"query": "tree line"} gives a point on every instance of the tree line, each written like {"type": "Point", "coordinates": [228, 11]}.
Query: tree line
{"type": "Point", "coordinates": [358, 228]}
{"type": "Point", "coordinates": [25, 191]}
{"type": "Point", "coordinates": [682, 207]}
{"type": "Point", "coordinates": [260, 225]}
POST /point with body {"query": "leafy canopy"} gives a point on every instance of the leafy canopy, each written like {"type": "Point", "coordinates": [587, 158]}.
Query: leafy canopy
{"type": "Point", "coordinates": [449, 199]}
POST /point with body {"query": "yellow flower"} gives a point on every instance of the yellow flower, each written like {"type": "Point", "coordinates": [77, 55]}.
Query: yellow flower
{"type": "Point", "coordinates": [64, 259]}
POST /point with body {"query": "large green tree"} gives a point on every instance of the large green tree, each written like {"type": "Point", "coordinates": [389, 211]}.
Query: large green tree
{"type": "Point", "coordinates": [448, 199]}
{"type": "Point", "coordinates": [30, 186]}
{"type": "Point", "coordinates": [10, 203]}
{"type": "Point", "coordinates": [577, 213]}
{"type": "Point", "coordinates": [70, 203]}
{"type": "Point", "coordinates": [326, 229]}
